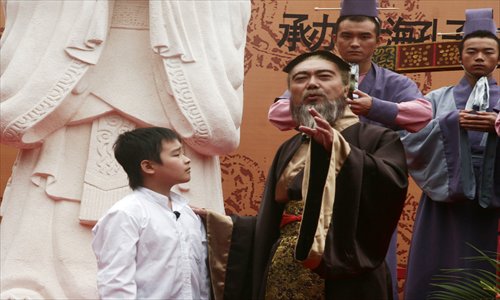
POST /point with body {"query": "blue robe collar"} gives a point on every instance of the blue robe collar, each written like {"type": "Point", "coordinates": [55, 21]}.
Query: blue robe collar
{"type": "Point", "coordinates": [462, 90]}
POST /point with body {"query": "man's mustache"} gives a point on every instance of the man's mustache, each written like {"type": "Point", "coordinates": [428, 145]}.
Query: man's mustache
{"type": "Point", "coordinates": [313, 93]}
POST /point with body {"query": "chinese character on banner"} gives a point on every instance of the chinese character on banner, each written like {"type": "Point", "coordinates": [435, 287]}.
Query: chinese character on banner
{"type": "Point", "coordinates": [311, 37]}
{"type": "Point", "coordinates": [410, 32]}
{"type": "Point", "coordinates": [459, 28]}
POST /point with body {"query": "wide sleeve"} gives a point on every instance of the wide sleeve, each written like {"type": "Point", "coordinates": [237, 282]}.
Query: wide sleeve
{"type": "Point", "coordinates": [438, 156]}
{"type": "Point", "coordinates": [42, 65]}
{"type": "Point", "coordinates": [201, 45]}
{"type": "Point", "coordinates": [410, 115]}
{"type": "Point", "coordinates": [230, 241]}
{"type": "Point", "coordinates": [397, 102]}
{"type": "Point", "coordinates": [115, 246]}
{"type": "Point", "coordinates": [370, 191]}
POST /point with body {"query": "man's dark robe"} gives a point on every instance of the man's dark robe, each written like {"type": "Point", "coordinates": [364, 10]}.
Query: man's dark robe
{"type": "Point", "coordinates": [370, 192]}
{"type": "Point", "coordinates": [387, 89]}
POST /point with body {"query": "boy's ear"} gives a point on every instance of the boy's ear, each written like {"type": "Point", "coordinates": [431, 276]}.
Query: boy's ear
{"type": "Point", "coordinates": [147, 167]}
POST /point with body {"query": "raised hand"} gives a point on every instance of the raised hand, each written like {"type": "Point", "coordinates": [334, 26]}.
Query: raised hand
{"type": "Point", "coordinates": [322, 133]}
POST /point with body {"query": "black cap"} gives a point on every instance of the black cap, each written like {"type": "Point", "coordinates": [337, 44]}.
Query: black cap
{"type": "Point", "coordinates": [326, 55]}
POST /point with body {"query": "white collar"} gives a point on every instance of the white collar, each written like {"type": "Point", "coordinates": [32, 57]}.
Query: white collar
{"type": "Point", "coordinates": [178, 201]}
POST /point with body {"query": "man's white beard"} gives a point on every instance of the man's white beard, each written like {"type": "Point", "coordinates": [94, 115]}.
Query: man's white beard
{"type": "Point", "coordinates": [331, 110]}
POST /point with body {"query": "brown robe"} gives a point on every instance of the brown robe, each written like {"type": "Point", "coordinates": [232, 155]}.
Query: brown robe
{"type": "Point", "coordinates": [370, 189]}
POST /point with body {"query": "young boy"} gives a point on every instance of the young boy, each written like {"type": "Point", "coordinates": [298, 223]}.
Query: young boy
{"type": "Point", "coordinates": [150, 244]}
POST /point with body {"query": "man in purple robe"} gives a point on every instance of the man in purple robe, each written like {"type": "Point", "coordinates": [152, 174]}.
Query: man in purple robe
{"type": "Point", "coordinates": [382, 97]}
{"type": "Point", "coordinates": [455, 159]}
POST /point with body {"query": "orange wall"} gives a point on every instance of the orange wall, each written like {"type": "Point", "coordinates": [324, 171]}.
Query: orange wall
{"type": "Point", "coordinates": [7, 158]}
{"type": "Point", "coordinates": [7, 154]}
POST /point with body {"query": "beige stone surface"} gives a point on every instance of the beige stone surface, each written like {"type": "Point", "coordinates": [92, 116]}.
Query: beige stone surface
{"type": "Point", "coordinates": [74, 75]}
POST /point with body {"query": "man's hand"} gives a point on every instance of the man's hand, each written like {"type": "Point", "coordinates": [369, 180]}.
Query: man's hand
{"type": "Point", "coordinates": [202, 212]}
{"type": "Point", "coordinates": [362, 105]}
{"type": "Point", "coordinates": [477, 121]}
{"type": "Point", "coordinates": [323, 133]}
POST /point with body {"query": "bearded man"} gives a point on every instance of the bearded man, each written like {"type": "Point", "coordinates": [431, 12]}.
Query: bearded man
{"type": "Point", "coordinates": [332, 199]}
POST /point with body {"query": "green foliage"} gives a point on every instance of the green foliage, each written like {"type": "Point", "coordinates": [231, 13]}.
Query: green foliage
{"type": "Point", "coordinates": [468, 284]}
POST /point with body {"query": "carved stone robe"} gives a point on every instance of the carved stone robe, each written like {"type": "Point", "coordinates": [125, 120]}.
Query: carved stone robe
{"type": "Point", "coordinates": [75, 74]}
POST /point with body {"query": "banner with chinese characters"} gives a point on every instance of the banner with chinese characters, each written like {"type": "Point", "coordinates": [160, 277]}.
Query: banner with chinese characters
{"type": "Point", "coordinates": [419, 39]}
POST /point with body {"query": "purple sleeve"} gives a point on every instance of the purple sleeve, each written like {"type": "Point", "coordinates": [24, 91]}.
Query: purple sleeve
{"type": "Point", "coordinates": [382, 111]}
{"type": "Point", "coordinates": [397, 101]}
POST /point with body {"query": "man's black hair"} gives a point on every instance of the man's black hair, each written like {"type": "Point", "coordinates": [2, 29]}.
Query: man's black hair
{"type": "Point", "coordinates": [358, 19]}
{"type": "Point", "coordinates": [479, 34]}
{"type": "Point", "coordinates": [326, 55]}
{"type": "Point", "coordinates": [140, 144]}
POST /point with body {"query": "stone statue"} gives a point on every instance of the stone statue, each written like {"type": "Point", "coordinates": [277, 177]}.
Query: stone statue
{"type": "Point", "coordinates": [74, 75]}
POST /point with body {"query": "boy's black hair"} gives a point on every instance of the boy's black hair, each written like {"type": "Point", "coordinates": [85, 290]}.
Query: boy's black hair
{"type": "Point", "coordinates": [140, 144]}
{"type": "Point", "coordinates": [358, 19]}
{"type": "Point", "coordinates": [479, 34]}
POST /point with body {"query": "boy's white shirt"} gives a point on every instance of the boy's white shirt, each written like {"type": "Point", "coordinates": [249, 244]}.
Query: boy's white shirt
{"type": "Point", "coordinates": [144, 252]}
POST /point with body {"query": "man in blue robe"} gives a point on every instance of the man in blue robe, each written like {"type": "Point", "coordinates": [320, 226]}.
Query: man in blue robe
{"type": "Point", "coordinates": [455, 159]}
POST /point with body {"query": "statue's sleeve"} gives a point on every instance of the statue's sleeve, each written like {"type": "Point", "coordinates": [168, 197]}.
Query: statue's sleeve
{"type": "Point", "coordinates": [201, 45]}
{"type": "Point", "coordinates": [46, 49]}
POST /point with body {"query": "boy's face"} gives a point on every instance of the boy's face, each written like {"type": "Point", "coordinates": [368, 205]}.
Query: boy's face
{"type": "Point", "coordinates": [175, 167]}
{"type": "Point", "coordinates": [480, 56]}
